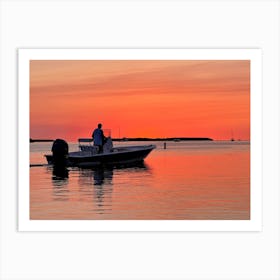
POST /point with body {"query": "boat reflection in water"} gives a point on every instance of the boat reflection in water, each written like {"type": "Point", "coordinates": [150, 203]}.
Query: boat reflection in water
{"type": "Point", "coordinates": [60, 175]}
{"type": "Point", "coordinates": [187, 181]}
{"type": "Point", "coordinates": [90, 176]}
{"type": "Point", "coordinates": [97, 185]}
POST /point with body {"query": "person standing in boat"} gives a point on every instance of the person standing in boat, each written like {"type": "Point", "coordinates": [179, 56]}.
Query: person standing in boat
{"type": "Point", "coordinates": [98, 138]}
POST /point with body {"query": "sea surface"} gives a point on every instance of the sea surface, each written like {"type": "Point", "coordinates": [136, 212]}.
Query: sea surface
{"type": "Point", "coordinates": [189, 180]}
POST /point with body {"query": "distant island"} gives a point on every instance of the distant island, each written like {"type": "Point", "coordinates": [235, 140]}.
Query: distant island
{"type": "Point", "coordinates": [175, 139]}
{"type": "Point", "coordinates": [40, 140]}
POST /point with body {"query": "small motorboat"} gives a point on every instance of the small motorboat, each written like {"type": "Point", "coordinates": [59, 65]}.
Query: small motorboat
{"type": "Point", "coordinates": [89, 155]}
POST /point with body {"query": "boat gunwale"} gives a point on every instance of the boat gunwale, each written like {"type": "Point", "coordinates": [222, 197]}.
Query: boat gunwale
{"type": "Point", "coordinates": [88, 154]}
{"type": "Point", "coordinates": [135, 149]}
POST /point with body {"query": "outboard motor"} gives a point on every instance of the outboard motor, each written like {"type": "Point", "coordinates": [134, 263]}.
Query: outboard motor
{"type": "Point", "coordinates": [60, 152]}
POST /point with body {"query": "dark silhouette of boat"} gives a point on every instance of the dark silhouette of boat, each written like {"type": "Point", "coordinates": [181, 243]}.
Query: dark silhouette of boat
{"type": "Point", "coordinates": [89, 156]}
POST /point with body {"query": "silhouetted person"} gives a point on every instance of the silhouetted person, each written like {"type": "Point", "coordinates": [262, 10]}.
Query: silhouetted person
{"type": "Point", "coordinates": [99, 138]}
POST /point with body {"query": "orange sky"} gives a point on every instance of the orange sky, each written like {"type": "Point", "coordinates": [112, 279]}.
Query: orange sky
{"type": "Point", "coordinates": [140, 98]}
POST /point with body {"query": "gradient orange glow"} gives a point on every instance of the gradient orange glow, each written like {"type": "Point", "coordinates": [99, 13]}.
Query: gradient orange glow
{"type": "Point", "coordinates": [140, 98]}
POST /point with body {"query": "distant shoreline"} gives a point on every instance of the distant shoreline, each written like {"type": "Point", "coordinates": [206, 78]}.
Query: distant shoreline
{"type": "Point", "coordinates": [40, 140]}
{"type": "Point", "coordinates": [175, 139]}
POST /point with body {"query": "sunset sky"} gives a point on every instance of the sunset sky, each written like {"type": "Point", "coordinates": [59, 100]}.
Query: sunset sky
{"type": "Point", "coordinates": [140, 98]}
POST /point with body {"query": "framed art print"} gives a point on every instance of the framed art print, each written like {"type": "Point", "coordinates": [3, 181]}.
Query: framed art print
{"type": "Point", "coordinates": [180, 147]}
{"type": "Point", "coordinates": [139, 139]}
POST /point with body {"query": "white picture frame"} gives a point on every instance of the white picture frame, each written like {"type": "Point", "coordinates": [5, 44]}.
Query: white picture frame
{"type": "Point", "coordinates": [139, 24]}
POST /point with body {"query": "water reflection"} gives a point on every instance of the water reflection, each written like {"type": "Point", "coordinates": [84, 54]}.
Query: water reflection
{"type": "Point", "coordinates": [60, 173]}
{"type": "Point", "coordinates": [211, 183]}
{"type": "Point", "coordinates": [99, 176]}
{"type": "Point", "coordinates": [97, 184]}
{"type": "Point", "coordinates": [60, 176]}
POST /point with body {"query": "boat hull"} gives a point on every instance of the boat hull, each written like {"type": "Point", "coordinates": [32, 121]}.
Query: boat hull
{"type": "Point", "coordinates": [119, 156]}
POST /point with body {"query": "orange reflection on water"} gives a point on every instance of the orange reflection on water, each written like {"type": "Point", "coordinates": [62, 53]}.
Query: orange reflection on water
{"type": "Point", "coordinates": [204, 185]}
{"type": "Point", "coordinates": [202, 182]}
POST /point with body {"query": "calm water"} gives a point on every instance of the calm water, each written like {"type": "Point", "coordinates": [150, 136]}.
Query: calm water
{"type": "Point", "coordinates": [188, 180]}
